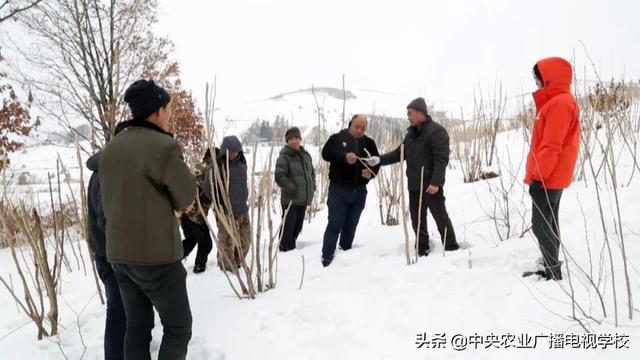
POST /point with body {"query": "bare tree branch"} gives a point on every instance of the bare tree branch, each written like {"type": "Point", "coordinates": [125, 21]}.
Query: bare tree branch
{"type": "Point", "coordinates": [13, 11]}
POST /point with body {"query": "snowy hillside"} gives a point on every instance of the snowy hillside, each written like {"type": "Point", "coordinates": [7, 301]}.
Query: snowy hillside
{"type": "Point", "coordinates": [299, 108]}
{"type": "Point", "coordinates": [370, 305]}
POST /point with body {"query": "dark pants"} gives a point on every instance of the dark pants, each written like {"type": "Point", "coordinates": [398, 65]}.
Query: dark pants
{"type": "Point", "coordinates": [116, 322]}
{"type": "Point", "coordinates": [544, 221]}
{"type": "Point", "coordinates": [345, 206]}
{"type": "Point", "coordinates": [436, 205]}
{"type": "Point", "coordinates": [292, 226]}
{"type": "Point", "coordinates": [196, 234]}
{"type": "Point", "coordinates": [162, 287]}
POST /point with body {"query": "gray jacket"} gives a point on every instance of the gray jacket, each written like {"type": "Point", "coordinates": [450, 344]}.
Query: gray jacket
{"type": "Point", "coordinates": [295, 176]}
{"type": "Point", "coordinates": [238, 188]}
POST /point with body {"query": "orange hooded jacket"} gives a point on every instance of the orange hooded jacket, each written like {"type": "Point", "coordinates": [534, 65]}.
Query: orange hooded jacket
{"type": "Point", "coordinates": [556, 131]}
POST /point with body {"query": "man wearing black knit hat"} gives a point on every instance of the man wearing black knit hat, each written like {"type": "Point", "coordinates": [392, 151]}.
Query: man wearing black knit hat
{"type": "Point", "coordinates": [426, 150]}
{"type": "Point", "coordinates": [296, 178]}
{"type": "Point", "coordinates": [144, 180]}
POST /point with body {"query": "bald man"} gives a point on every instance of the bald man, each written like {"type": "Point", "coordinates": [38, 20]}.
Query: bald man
{"type": "Point", "coordinates": [348, 184]}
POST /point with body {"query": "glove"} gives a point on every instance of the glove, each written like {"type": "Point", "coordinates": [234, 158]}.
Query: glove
{"type": "Point", "coordinates": [373, 160]}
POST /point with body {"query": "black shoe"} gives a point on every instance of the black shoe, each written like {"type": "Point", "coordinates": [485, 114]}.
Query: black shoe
{"type": "Point", "coordinates": [198, 269]}
{"type": "Point", "coordinates": [452, 247]}
{"type": "Point", "coordinates": [423, 252]}
{"type": "Point", "coordinates": [344, 248]}
{"type": "Point", "coordinates": [553, 276]}
{"type": "Point", "coordinates": [326, 262]}
{"type": "Point", "coordinates": [540, 273]}
{"type": "Point", "coordinates": [554, 272]}
{"type": "Point", "coordinates": [547, 274]}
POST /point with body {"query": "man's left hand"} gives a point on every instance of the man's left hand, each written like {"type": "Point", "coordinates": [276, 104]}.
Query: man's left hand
{"type": "Point", "coordinates": [432, 189]}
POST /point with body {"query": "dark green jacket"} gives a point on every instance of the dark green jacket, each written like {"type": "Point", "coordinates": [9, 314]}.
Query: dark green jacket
{"type": "Point", "coordinates": [143, 179]}
{"type": "Point", "coordinates": [295, 176]}
{"type": "Point", "coordinates": [425, 146]}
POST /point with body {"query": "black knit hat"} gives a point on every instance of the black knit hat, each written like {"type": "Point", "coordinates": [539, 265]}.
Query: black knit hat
{"type": "Point", "coordinates": [144, 98]}
{"type": "Point", "coordinates": [293, 132]}
{"type": "Point", "coordinates": [419, 105]}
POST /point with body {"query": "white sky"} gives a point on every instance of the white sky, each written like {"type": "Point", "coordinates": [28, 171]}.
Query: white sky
{"type": "Point", "coordinates": [437, 49]}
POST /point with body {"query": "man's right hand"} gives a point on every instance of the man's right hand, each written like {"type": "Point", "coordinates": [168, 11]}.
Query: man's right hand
{"type": "Point", "coordinates": [351, 158]}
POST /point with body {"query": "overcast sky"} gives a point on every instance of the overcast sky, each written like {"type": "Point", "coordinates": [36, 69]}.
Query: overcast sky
{"type": "Point", "coordinates": [437, 49]}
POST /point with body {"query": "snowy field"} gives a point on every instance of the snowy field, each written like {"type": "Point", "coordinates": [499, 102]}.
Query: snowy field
{"type": "Point", "coordinates": [368, 304]}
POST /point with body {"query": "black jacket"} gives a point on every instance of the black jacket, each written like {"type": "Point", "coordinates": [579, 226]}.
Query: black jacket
{"type": "Point", "coordinates": [97, 221]}
{"type": "Point", "coordinates": [425, 146]}
{"type": "Point", "coordinates": [335, 152]}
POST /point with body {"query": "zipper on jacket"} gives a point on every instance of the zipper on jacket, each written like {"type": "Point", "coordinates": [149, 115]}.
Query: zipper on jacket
{"type": "Point", "coordinates": [304, 170]}
{"type": "Point", "coordinates": [355, 181]}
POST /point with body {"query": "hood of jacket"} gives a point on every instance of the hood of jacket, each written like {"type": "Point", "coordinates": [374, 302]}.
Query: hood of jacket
{"type": "Point", "coordinates": [94, 161]}
{"type": "Point", "coordinates": [557, 74]}
{"type": "Point", "coordinates": [231, 143]}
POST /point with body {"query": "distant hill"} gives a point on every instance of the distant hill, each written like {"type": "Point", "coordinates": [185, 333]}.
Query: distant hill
{"type": "Point", "coordinates": [331, 91]}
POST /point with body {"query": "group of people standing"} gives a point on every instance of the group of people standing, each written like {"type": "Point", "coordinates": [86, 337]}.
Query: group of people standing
{"type": "Point", "coordinates": [354, 160]}
{"type": "Point", "coordinates": [142, 191]}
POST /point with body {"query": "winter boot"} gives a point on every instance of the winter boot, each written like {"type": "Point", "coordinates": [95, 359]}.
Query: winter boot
{"type": "Point", "coordinates": [198, 269]}
{"type": "Point", "coordinates": [452, 247]}
{"type": "Point", "coordinates": [326, 262]}
{"type": "Point", "coordinates": [550, 273]}
{"type": "Point", "coordinates": [423, 248]}
{"type": "Point", "coordinates": [554, 272]}
{"type": "Point", "coordinates": [540, 273]}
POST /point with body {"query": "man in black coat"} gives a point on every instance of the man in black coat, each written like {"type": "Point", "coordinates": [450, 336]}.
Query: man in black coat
{"type": "Point", "coordinates": [116, 319]}
{"type": "Point", "coordinates": [193, 224]}
{"type": "Point", "coordinates": [348, 184]}
{"type": "Point", "coordinates": [426, 150]}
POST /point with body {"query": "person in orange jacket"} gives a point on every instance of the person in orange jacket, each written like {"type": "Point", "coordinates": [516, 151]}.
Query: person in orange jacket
{"type": "Point", "coordinates": [555, 140]}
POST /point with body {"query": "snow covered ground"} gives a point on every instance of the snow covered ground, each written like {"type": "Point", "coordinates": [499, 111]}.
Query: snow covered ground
{"type": "Point", "coordinates": [368, 304]}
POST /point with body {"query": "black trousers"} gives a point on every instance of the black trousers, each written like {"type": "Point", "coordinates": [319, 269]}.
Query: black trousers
{"type": "Point", "coordinates": [544, 222]}
{"type": "Point", "coordinates": [196, 234]}
{"type": "Point", "coordinates": [164, 288]}
{"type": "Point", "coordinates": [436, 205]}
{"type": "Point", "coordinates": [115, 325]}
{"type": "Point", "coordinates": [292, 226]}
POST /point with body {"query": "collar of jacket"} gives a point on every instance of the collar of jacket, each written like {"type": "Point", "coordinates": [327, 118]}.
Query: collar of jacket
{"type": "Point", "coordinates": [289, 151]}
{"type": "Point", "coordinates": [418, 129]}
{"type": "Point", "coordinates": [149, 125]}
{"type": "Point", "coordinates": [542, 96]}
{"type": "Point", "coordinates": [222, 159]}
{"type": "Point", "coordinates": [345, 132]}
